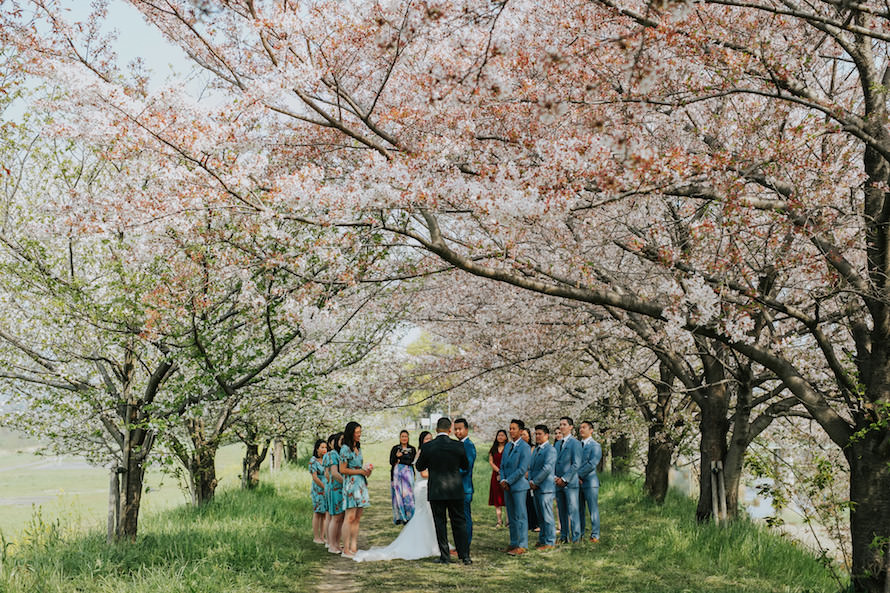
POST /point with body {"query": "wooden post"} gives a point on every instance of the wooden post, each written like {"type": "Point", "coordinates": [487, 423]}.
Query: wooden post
{"type": "Point", "coordinates": [721, 482]}
{"type": "Point", "coordinates": [715, 512]}
{"type": "Point", "coordinates": [114, 505]}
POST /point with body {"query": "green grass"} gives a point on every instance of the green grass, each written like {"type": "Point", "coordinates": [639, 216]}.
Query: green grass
{"type": "Point", "coordinates": [65, 489]}
{"type": "Point", "coordinates": [644, 548]}
{"type": "Point", "coordinates": [241, 542]}
{"type": "Point", "coordinates": [261, 542]}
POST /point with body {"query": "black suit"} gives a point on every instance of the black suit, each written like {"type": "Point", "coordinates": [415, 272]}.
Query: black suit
{"type": "Point", "coordinates": [444, 458]}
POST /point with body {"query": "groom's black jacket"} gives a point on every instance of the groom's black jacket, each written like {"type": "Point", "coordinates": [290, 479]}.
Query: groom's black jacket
{"type": "Point", "coordinates": [444, 458]}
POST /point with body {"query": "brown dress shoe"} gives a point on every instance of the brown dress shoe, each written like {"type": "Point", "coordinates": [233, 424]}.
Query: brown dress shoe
{"type": "Point", "coordinates": [547, 547]}
{"type": "Point", "coordinates": [517, 551]}
{"type": "Point", "coordinates": [508, 549]}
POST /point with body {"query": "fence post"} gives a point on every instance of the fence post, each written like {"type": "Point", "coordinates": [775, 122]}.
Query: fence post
{"type": "Point", "coordinates": [715, 507]}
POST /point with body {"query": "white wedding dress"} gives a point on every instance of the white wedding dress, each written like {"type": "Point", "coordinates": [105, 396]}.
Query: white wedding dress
{"type": "Point", "coordinates": [418, 536]}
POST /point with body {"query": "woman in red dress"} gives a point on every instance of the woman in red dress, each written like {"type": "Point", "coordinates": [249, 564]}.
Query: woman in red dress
{"type": "Point", "coordinates": [495, 492]}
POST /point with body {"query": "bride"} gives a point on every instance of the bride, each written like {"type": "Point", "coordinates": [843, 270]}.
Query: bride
{"type": "Point", "coordinates": [418, 537]}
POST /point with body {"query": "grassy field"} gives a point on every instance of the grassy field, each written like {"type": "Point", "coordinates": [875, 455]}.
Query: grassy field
{"type": "Point", "coordinates": [243, 541]}
{"type": "Point", "coordinates": [261, 542]}
{"type": "Point", "coordinates": [69, 491]}
{"type": "Point", "coordinates": [644, 548]}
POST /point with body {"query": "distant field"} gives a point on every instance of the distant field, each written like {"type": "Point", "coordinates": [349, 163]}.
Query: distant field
{"type": "Point", "coordinates": [75, 493]}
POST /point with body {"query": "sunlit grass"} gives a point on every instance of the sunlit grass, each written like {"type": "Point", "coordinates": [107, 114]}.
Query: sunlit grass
{"type": "Point", "coordinates": [644, 548]}
{"type": "Point", "coordinates": [242, 541]}
{"type": "Point", "coordinates": [260, 541]}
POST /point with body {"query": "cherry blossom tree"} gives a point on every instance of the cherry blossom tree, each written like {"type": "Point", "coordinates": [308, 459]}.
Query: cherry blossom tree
{"type": "Point", "coordinates": [548, 145]}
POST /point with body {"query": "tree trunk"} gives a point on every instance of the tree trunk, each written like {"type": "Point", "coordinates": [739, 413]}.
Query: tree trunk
{"type": "Point", "coordinates": [658, 462]}
{"type": "Point", "coordinates": [131, 499]}
{"type": "Point", "coordinates": [621, 458]}
{"type": "Point", "coordinates": [250, 466]}
{"type": "Point", "coordinates": [713, 404]}
{"type": "Point", "coordinates": [869, 460]}
{"type": "Point", "coordinates": [203, 474]}
{"type": "Point", "coordinates": [661, 444]}
{"type": "Point", "coordinates": [277, 455]}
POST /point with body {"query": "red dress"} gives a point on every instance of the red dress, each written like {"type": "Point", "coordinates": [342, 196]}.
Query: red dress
{"type": "Point", "coordinates": [495, 492]}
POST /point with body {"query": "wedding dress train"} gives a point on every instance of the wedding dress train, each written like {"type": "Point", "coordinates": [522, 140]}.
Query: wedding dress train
{"type": "Point", "coordinates": [417, 538]}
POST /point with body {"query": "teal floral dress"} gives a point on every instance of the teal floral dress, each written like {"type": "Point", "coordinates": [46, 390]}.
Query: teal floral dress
{"type": "Point", "coordinates": [355, 487]}
{"type": "Point", "coordinates": [319, 504]}
{"type": "Point", "coordinates": [333, 490]}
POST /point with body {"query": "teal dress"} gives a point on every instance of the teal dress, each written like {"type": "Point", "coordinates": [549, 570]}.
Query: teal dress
{"type": "Point", "coordinates": [319, 504]}
{"type": "Point", "coordinates": [333, 490]}
{"type": "Point", "coordinates": [355, 487]}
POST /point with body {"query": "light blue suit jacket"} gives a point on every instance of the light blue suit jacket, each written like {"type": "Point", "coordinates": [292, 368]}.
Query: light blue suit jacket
{"type": "Point", "coordinates": [568, 460]}
{"type": "Point", "coordinates": [514, 465]}
{"type": "Point", "coordinates": [591, 453]}
{"type": "Point", "coordinates": [467, 475]}
{"type": "Point", "coordinates": [541, 470]}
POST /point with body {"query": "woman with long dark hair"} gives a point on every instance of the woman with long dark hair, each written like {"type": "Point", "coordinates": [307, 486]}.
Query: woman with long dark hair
{"type": "Point", "coordinates": [355, 485]}
{"type": "Point", "coordinates": [495, 492]}
{"type": "Point", "coordinates": [319, 504]}
{"type": "Point", "coordinates": [401, 460]}
{"type": "Point", "coordinates": [425, 437]}
{"type": "Point", "coordinates": [334, 492]}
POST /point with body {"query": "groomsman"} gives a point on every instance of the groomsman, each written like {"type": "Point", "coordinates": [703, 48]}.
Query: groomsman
{"type": "Point", "coordinates": [568, 460]}
{"type": "Point", "coordinates": [541, 480]}
{"type": "Point", "coordinates": [591, 453]}
{"type": "Point", "coordinates": [514, 467]}
{"type": "Point", "coordinates": [461, 431]}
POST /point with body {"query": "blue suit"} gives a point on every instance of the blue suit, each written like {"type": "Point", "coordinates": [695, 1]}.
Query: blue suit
{"type": "Point", "coordinates": [568, 460]}
{"type": "Point", "coordinates": [591, 453]}
{"type": "Point", "coordinates": [540, 473]}
{"type": "Point", "coordinates": [514, 466]}
{"type": "Point", "coordinates": [467, 476]}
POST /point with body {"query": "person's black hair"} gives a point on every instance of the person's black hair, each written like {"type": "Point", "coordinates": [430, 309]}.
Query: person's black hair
{"type": "Point", "coordinates": [422, 436]}
{"type": "Point", "coordinates": [349, 436]}
{"type": "Point", "coordinates": [403, 431]}
{"type": "Point", "coordinates": [531, 440]}
{"type": "Point", "coordinates": [334, 441]}
{"type": "Point", "coordinates": [494, 445]}
{"type": "Point", "coordinates": [462, 421]}
{"type": "Point", "coordinates": [518, 423]}
{"type": "Point", "coordinates": [569, 420]}
{"type": "Point", "coordinates": [588, 423]}
{"type": "Point", "coordinates": [443, 423]}
{"type": "Point", "coordinates": [317, 444]}
{"type": "Point", "coordinates": [542, 427]}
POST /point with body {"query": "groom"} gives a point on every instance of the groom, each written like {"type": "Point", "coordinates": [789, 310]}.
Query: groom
{"type": "Point", "coordinates": [444, 458]}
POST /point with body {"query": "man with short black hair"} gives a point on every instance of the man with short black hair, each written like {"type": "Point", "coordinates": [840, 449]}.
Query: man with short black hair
{"type": "Point", "coordinates": [591, 453]}
{"type": "Point", "coordinates": [444, 458]}
{"type": "Point", "coordinates": [514, 467]}
{"type": "Point", "coordinates": [541, 480]}
{"type": "Point", "coordinates": [568, 460]}
{"type": "Point", "coordinates": [462, 431]}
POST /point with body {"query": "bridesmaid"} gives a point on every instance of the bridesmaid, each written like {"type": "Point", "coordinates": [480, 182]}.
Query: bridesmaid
{"type": "Point", "coordinates": [495, 492]}
{"type": "Point", "coordinates": [355, 485]}
{"type": "Point", "coordinates": [401, 458]}
{"type": "Point", "coordinates": [319, 504]}
{"type": "Point", "coordinates": [334, 492]}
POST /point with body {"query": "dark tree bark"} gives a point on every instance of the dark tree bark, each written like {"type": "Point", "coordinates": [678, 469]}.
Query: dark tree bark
{"type": "Point", "coordinates": [250, 466]}
{"type": "Point", "coordinates": [621, 454]}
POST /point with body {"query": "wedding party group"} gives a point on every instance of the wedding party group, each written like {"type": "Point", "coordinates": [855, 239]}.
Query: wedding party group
{"type": "Point", "coordinates": [529, 475]}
